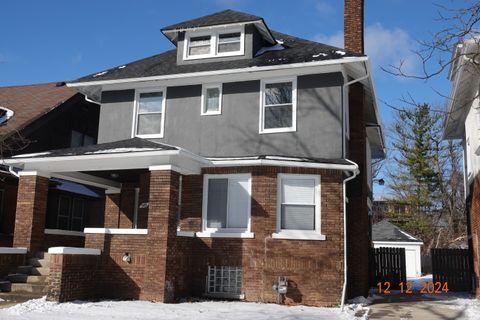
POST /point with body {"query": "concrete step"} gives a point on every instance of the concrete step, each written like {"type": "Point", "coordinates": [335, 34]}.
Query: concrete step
{"type": "Point", "coordinates": [24, 278]}
{"type": "Point", "coordinates": [5, 286]}
{"type": "Point", "coordinates": [23, 269]}
{"type": "Point", "coordinates": [19, 296]}
{"type": "Point", "coordinates": [37, 262]}
{"type": "Point", "coordinates": [42, 271]}
{"type": "Point", "coordinates": [29, 287]}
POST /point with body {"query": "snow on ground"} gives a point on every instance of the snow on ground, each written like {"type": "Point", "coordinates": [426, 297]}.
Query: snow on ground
{"type": "Point", "coordinates": [417, 283]}
{"type": "Point", "coordinates": [40, 309]}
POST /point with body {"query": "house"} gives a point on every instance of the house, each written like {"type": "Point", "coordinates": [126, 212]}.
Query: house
{"type": "Point", "coordinates": [386, 234]}
{"type": "Point", "coordinates": [226, 165]}
{"type": "Point", "coordinates": [35, 118]}
{"type": "Point", "coordinates": [462, 123]}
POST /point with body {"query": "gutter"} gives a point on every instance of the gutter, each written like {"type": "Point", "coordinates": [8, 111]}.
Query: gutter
{"type": "Point", "coordinates": [355, 173]}
{"type": "Point", "coordinates": [220, 72]}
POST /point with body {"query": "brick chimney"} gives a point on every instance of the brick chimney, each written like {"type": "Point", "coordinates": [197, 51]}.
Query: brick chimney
{"type": "Point", "coordinates": [353, 26]}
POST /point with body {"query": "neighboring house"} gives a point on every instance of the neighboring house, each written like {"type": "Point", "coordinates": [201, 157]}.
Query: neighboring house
{"type": "Point", "coordinates": [35, 118]}
{"type": "Point", "coordinates": [463, 123]}
{"type": "Point", "coordinates": [386, 234]}
{"type": "Point", "coordinates": [227, 163]}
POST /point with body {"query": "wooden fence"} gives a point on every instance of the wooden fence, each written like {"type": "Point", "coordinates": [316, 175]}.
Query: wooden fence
{"type": "Point", "coordinates": [388, 265]}
{"type": "Point", "coordinates": [452, 266]}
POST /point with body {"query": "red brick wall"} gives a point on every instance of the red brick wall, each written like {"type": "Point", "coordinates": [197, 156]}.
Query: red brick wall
{"type": "Point", "coordinates": [72, 277]}
{"type": "Point", "coordinates": [31, 211]}
{"type": "Point", "coordinates": [166, 267]}
{"type": "Point", "coordinates": [358, 223]}
{"type": "Point", "coordinates": [353, 26]}
{"type": "Point", "coordinates": [8, 262]}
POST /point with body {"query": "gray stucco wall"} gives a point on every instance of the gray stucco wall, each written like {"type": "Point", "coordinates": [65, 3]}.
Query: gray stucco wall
{"type": "Point", "coordinates": [236, 131]}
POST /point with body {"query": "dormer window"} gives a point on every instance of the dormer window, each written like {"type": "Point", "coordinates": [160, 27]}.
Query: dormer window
{"type": "Point", "coordinates": [213, 43]}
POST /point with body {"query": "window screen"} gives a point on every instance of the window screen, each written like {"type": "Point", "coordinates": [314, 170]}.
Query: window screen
{"type": "Point", "coordinates": [212, 100]}
{"type": "Point", "coordinates": [229, 42]}
{"type": "Point", "coordinates": [199, 46]}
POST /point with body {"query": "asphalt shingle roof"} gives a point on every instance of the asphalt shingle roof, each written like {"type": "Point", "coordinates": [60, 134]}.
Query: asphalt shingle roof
{"type": "Point", "coordinates": [296, 50]}
{"type": "Point", "coordinates": [31, 102]}
{"type": "Point", "coordinates": [386, 231]}
{"type": "Point", "coordinates": [218, 18]}
{"type": "Point", "coordinates": [122, 146]}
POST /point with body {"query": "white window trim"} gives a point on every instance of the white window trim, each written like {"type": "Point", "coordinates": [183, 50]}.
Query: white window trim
{"type": "Point", "coordinates": [204, 95]}
{"type": "Point", "coordinates": [214, 35]}
{"type": "Point", "coordinates": [261, 115]}
{"type": "Point", "coordinates": [135, 112]}
{"type": "Point", "coordinates": [299, 234]}
{"type": "Point", "coordinates": [225, 232]}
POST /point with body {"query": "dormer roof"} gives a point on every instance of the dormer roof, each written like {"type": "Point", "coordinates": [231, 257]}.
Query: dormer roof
{"type": "Point", "coordinates": [223, 18]}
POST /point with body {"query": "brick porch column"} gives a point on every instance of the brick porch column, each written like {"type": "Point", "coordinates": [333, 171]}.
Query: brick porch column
{"type": "Point", "coordinates": [112, 209]}
{"type": "Point", "coordinates": [31, 210]}
{"type": "Point", "coordinates": [162, 230]}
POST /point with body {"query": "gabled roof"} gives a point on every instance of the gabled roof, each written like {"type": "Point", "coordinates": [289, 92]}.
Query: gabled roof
{"type": "Point", "coordinates": [218, 18]}
{"type": "Point", "coordinates": [122, 146]}
{"type": "Point", "coordinates": [29, 103]}
{"type": "Point", "coordinates": [296, 50]}
{"type": "Point", "coordinates": [386, 231]}
{"type": "Point", "coordinates": [222, 18]}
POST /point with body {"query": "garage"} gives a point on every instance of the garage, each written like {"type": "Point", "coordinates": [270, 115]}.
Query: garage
{"type": "Point", "coordinates": [386, 234]}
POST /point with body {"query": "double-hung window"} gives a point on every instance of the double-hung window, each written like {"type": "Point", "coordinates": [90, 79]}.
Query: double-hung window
{"type": "Point", "coordinates": [216, 42]}
{"type": "Point", "coordinates": [229, 42]}
{"type": "Point", "coordinates": [150, 114]}
{"type": "Point", "coordinates": [278, 106]}
{"type": "Point", "coordinates": [70, 214]}
{"type": "Point", "coordinates": [226, 204]}
{"type": "Point", "coordinates": [298, 207]}
{"type": "Point", "coordinates": [211, 99]}
{"type": "Point", "coordinates": [199, 46]}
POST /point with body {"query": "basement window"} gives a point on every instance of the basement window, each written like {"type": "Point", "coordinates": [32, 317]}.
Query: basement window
{"type": "Point", "coordinates": [224, 281]}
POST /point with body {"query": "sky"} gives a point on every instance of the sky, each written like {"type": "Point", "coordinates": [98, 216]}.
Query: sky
{"type": "Point", "coordinates": [57, 40]}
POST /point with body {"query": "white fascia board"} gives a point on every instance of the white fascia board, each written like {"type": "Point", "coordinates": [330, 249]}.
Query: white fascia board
{"type": "Point", "coordinates": [27, 173]}
{"type": "Point", "coordinates": [399, 243]}
{"type": "Point", "coordinates": [8, 250]}
{"type": "Point", "coordinates": [228, 72]}
{"type": "Point", "coordinates": [72, 250]}
{"type": "Point", "coordinates": [64, 232]}
{"type": "Point", "coordinates": [115, 231]}
{"type": "Point", "coordinates": [279, 163]}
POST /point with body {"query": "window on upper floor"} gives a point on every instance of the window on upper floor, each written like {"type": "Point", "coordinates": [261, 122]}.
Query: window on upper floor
{"type": "Point", "coordinates": [214, 43]}
{"type": "Point", "coordinates": [278, 106]}
{"type": "Point", "coordinates": [298, 207]}
{"type": "Point", "coordinates": [226, 201]}
{"type": "Point", "coordinates": [211, 99]}
{"type": "Point", "coordinates": [149, 114]}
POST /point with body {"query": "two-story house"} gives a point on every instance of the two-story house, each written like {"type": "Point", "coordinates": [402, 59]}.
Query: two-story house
{"type": "Point", "coordinates": [235, 165]}
{"type": "Point", "coordinates": [463, 123]}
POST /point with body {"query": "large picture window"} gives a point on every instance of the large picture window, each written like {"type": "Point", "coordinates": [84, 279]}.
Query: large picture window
{"type": "Point", "coordinates": [150, 113]}
{"type": "Point", "coordinates": [227, 203]}
{"type": "Point", "coordinates": [278, 106]}
{"type": "Point", "coordinates": [298, 207]}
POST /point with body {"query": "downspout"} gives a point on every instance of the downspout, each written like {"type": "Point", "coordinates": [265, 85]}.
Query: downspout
{"type": "Point", "coordinates": [90, 100]}
{"type": "Point", "coordinates": [10, 169]}
{"type": "Point", "coordinates": [355, 173]}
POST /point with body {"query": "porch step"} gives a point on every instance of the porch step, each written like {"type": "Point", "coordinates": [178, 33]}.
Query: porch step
{"type": "Point", "coordinates": [37, 262]}
{"type": "Point", "coordinates": [19, 296]}
{"type": "Point", "coordinates": [23, 269]}
{"type": "Point", "coordinates": [5, 286]}
{"type": "Point", "coordinates": [41, 271]}
{"type": "Point", "coordinates": [24, 278]}
{"type": "Point", "coordinates": [29, 287]}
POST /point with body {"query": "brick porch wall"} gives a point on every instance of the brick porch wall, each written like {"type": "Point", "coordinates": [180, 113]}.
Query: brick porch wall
{"type": "Point", "coordinates": [166, 267]}
{"type": "Point", "coordinates": [31, 211]}
{"type": "Point", "coordinates": [56, 240]}
{"type": "Point", "coordinates": [72, 277]}
{"type": "Point", "coordinates": [8, 262]}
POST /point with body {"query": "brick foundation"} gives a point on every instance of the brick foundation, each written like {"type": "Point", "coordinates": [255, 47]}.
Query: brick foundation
{"type": "Point", "coordinates": [31, 211]}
